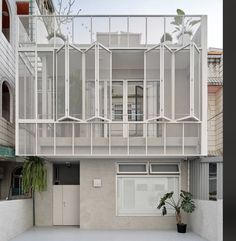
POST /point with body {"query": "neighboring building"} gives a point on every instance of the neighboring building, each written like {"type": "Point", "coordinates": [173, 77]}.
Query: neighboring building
{"type": "Point", "coordinates": [116, 114]}
{"type": "Point", "coordinates": [10, 167]}
{"type": "Point", "coordinates": [206, 173]}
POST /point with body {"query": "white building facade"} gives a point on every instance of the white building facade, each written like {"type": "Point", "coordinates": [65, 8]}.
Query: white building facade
{"type": "Point", "coordinates": [116, 107]}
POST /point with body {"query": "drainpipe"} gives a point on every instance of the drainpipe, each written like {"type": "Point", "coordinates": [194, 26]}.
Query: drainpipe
{"type": "Point", "coordinates": [188, 175]}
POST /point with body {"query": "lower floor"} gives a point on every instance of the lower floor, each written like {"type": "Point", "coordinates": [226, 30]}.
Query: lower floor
{"type": "Point", "coordinates": [110, 194]}
{"type": "Point", "coordinates": [105, 194]}
{"type": "Point", "coordinates": [76, 234]}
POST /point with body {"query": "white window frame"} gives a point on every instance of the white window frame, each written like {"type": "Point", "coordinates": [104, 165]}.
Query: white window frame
{"type": "Point", "coordinates": [165, 173]}
{"type": "Point", "coordinates": [131, 163]}
{"type": "Point", "coordinates": [97, 46]}
{"type": "Point", "coordinates": [143, 214]}
{"type": "Point", "coordinates": [161, 47]}
{"type": "Point", "coordinates": [67, 48]}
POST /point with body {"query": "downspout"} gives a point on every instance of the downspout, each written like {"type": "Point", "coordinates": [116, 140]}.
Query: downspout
{"type": "Point", "coordinates": [188, 184]}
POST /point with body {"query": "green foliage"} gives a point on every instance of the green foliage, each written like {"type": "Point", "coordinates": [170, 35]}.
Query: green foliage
{"type": "Point", "coordinates": [34, 174]}
{"type": "Point", "coordinates": [183, 25]}
{"type": "Point", "coordinates": [184, 202]}
{"type": "Point", "coordinates": [167, 37]}
{"type": "Point", "coordinates": [180, 12]}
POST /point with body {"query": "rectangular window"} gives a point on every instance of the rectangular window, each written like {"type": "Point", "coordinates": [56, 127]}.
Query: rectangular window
{"type": "Point", "coordinates": [139, 195]}
{"type": "Point", "coordinates": [157, 168]}
{"type": "Point", "coordinates": [213, 181]}
{"type": "Point", "coordinates": [132, 168]}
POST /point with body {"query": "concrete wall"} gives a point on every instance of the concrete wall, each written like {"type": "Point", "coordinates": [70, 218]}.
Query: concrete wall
{"type": "Point", "coordinates": [16, 217]}
{"type": "Point", "coordinates": [44, 201]}
{"type": "Point", "coordinates": [98, 205]}
{"type": "Point", "coordinates": [207, 219]}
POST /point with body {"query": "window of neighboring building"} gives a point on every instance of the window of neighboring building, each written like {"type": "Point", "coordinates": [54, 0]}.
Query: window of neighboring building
{"type": "Point", "coordinates": [138, 194]}
{"type": "Point", "coordinates": [17, 183]}
{"type": "Point", "coordinates": [5, 101]}
{"type": "Point", "coordinates": [213, 181]}
{"type": "Point", "coordinates": [6, 20]}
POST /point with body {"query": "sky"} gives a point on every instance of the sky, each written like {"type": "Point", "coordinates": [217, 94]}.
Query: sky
{"type": "Point", "coordinates": [212, 8]}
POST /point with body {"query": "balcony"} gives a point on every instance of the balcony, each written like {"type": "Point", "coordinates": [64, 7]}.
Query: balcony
{"type": "Point", "coordinates": [110, 139]}
{"type": "Point", "coordinates": [134, 31]}
{"type": "Point", "coordinates": [111, 86]}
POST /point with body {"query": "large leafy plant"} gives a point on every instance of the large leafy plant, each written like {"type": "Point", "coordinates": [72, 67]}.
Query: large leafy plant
{"type": "Point", "coordinates": [184, 203]}
{"type": "Point", "coordinates": [183, 25]}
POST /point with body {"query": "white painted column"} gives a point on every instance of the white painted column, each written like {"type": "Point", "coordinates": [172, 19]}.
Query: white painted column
{"type": "Point", "coordinates": [204, 85]}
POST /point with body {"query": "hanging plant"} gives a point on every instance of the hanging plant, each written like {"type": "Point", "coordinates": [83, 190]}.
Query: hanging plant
{"type": "Point", "coordinates": [34, 177]}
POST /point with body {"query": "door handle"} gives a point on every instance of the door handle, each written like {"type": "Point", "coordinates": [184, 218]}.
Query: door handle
{"type": "Point", "coordinates": [64, 204]}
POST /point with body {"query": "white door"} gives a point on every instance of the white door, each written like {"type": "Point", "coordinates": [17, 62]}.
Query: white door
{"type": "Point", "coordinates": [71, 205]}
{"type": "Point", "coordinates": [66, 204]}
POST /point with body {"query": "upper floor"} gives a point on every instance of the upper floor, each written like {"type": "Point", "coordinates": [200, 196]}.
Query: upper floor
{"type": "Point", "coordinates": [112, 85]}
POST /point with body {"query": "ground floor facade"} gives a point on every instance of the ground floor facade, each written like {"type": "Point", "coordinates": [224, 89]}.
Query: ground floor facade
{"type": "Point", "coordinates": [111, 196]}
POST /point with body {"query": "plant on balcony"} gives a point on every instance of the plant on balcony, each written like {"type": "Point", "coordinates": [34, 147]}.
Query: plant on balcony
{"type": "Point", "coordinates": [167, 38]}
{"type": "Point", "coordinates": [34, 177]}
{"type": "Point", "coordinates": [183, 26]}
{"type": "Point", "coordinates": [184, 203]}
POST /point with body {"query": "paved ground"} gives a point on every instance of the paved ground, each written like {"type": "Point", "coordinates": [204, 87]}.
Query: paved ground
{"type": "Point", "coordinates": [75, 234]}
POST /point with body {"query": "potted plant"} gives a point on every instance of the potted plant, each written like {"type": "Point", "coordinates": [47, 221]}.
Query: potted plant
{"type": "Point", "coordinates": [166, 38]}
{"type": "Point", "coordinates": [58, 37]}
{"type": "Point", "coordinates": [34, 177]}
{"type": "Point", "coordinates": [184, 203]}
{"type": "Point", "coordinates": [183, 26]}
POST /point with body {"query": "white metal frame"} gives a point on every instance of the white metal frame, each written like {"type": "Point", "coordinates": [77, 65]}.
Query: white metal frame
{"type": "Point", "coordinates": [97, 46]}
{"type": "Point", "coordinates": [161, 47]}
{"type": "Point", "coordinates": [67, 48]}
{"type": "Point", "coordinates": [191, 115]}
{"type": "Point", "coordinates": [203, 99]}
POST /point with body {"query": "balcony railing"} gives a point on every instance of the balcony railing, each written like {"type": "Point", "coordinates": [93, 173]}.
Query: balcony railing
{"type": "Point", "coordinates": [110, 139]}
{"type": "Point", "coordinates": [111, 31]}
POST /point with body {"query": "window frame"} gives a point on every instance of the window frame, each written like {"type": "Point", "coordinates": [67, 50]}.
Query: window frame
{"type": "Point", "coordinates": [169, 214]}
{"type": "Point", "coordinates": [165, 173]}
{"type": "Point", "coordinates": [131, 173]}
{"type": "Point", "coordinates": [145, 175]}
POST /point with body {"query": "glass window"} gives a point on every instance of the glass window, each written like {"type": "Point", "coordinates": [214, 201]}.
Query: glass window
{"type": "Point", "coordinates": [138, 196]}
{"type": "Point", "coordinates": [90, 83]}
{"type": "Point", "coordinates": [132, 168]}
{"type": "Point", "coordinates": [213, 181]}
{"type": "Point", "coordinates": [164, 168]}
{"type": "Point", "coordinates": [153, 83]}
{"type": "Point", "coordinates": [17, 182]}
{"type": "Point", "coordinates": [135, 101]}
{"type": "Point", "coordinates": [60, 83]}
{"type": "Point", "coordinates": [26, 85]}
{"type": "Point", "coordinates": [117, 100]}
{"type": "Point", "coordinates": [75, 83]}
{"type": "Point", "coordinates": [182, 83]}
{"type": "Point", "coordinates": [45, 85]}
